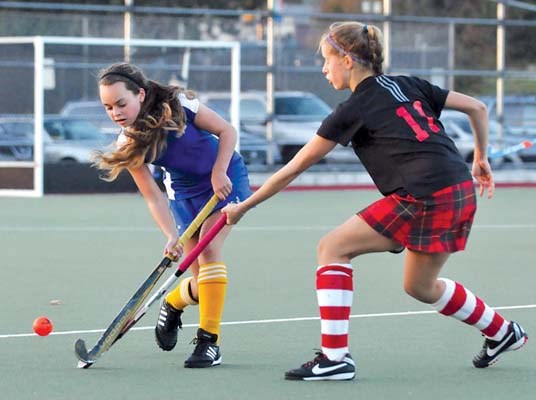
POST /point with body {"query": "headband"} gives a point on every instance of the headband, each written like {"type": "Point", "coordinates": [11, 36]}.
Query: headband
{"type": "Point", "coordinates": [336, 46]}
{"type": "Point", "coordinates": [121, 74]}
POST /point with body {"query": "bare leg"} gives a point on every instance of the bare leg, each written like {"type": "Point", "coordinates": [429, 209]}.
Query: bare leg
{"type": "Point", "coordinates": [351, 239]}
{"type": "Point", "coordinates": [421, 271]}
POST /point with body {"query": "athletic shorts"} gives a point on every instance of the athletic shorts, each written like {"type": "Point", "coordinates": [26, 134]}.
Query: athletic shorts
{"type": "Point", "coordinates": [439, 223]}
{"type": "Point", "coordinates": [185, 210]}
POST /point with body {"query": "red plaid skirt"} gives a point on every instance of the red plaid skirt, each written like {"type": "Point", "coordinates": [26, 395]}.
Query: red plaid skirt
{"type": "Point", "coordinates": [436, 224]}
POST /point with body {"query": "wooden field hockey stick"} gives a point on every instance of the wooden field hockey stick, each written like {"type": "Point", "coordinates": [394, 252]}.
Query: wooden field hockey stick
{"type": "Point", "coordinates": [87, 358]}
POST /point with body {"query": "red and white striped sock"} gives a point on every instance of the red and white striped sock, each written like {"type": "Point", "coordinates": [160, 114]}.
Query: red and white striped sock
{"type": "Point", "coordinates": [458, 302]}
{"type": "Point", "coordinates": [334, 291]}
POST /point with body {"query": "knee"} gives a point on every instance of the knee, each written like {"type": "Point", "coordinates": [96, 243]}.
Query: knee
{"type": "Point", "coordinates": [211, 253]}
{"type": "Point", "coordinates": [410, 290]}
{"type": "Point", "coordinates": [418, 292]}
{"type": "Point", "coordinates": [323, 249]}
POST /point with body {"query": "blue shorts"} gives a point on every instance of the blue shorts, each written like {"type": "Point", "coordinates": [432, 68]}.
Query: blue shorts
{"type": "Point", "coordinates": [185, 210]}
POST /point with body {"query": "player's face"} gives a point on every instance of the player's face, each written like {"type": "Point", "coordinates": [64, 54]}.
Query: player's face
{"type": "Point", "coordinates": [334, 68]}
{"type": "Point", "coordinates": [121, 105]}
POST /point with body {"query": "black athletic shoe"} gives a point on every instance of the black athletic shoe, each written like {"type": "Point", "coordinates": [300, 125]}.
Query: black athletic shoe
{"type": "Point", "coordinates": [323, 369]}
{"type": "Point", "coordinates": [514, 339]}
{"type": "Point", "coordinates": [167, 326]}
{"type": "Point", "coordinates": [206, 352]}
{"type": "Point", "coordinates": [398, 250]}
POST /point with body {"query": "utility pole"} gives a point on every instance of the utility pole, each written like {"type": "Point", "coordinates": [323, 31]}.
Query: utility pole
{"type": "Point", "coordinates": [270, 79]}
{"type": "Point", "coordinates": [127, 27]}
{"type": "Point", "coordinates": [387, 35]}
{"type": "Point", "coordinates": [500, 66]}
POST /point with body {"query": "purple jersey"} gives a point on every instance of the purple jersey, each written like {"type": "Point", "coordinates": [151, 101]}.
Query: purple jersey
{"type": "Point", "coordinates": [189, 158]}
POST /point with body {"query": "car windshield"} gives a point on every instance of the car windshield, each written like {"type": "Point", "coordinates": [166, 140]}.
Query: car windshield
{"type": "Point", "coordinates": [301, 106]}
{"type": "Point", "coordinates": [221, 106]}
{"type": "Point", "coordinates": [87, 110]}
{"type": "Point", "coordinates": [18, 129]}
{"type": "Point", "coordinates": [72, 130]}
{"type": "Point", "coordinates": [291, 107]}
{"type": "Point", "coordinates": [250, 109]}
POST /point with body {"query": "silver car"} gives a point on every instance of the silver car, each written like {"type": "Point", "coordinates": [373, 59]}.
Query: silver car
{"type": "Point", "coordinates": [297, 117]}
{"type": "Point", "coordinates": [253, 148]}
{"type": "Point", "coordinates": [64, 139]}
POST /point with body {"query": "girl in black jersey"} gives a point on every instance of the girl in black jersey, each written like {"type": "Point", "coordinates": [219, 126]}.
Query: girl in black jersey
{"type": "Point", "coordinates": [392, 123]}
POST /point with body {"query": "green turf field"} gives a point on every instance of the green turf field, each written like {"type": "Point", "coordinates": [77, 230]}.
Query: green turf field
{"type": "Point", "coordinates": [92, 252]}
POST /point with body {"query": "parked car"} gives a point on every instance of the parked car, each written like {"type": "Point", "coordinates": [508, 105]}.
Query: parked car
{"type": "Point", "coordinates": [519, 113]}
{"type": "Point", "coordinates": [15, 144]}
{"type": "Point", "coordinates": [458, 127]}
{"type": "Point", "coordinates": [463, 139]}
{"type": "Point", "coordinates": [253, 148]}
{"type": "Point", "coordinates": [93, 111]}
{"type": "Point", "coordinates": [64, 139]}
{"type": "Point", "coordinates": [297, 117]}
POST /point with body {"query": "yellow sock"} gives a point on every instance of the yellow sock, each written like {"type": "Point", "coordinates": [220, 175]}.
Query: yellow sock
{"type": "Point", "coordinates": [181, 297]}
{"type": "Point", "coordinates": [212, 284]}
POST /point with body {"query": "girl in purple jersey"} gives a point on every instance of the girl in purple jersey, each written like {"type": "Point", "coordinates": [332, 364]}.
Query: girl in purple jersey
{"type": "Point", "coordinates": [392, 122]}
{"type": "Point", "coordinates": [165, 126]}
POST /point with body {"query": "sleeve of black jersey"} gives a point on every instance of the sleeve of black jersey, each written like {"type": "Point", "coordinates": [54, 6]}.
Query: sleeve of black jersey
{"type": "Point", "coordinates": [340, 126]}
{"type": "Point", "coordinates": [435, 94]}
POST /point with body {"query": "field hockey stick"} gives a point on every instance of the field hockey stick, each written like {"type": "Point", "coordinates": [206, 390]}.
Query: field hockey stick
{"type": "Point", "coordinates": [87, 358]}
{"type": "Point", "coordinates": [183, 266]}
{"type": "Point", "coordinates": [511, 149]}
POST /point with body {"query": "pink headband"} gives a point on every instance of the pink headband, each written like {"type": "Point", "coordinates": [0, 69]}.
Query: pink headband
{"type": "Point", "coordinates": [337, 47]}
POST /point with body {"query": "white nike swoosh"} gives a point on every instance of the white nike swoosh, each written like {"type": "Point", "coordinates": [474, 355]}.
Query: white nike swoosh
{"type": "Point", "coordinates": [317, 370]}
{"type": "Point", "coordinates": [493, 352]}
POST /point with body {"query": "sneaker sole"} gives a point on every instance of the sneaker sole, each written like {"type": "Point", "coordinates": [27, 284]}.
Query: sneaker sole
{"type": "Point", "coordinates": [164, 347]}
{"type": "Point", "coordinates": [347, 376]}
{"type": "Point", "coordinates": [215, 363]}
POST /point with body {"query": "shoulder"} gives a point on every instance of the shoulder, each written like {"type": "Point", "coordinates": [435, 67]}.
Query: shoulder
{"type": "Point", "coordinates": [422, 84]}
{"type": "Point", "coordinates": [191, 104]}
{"type": "Point", "coordinates": [395, 82]}
{"type": "Point", "coordinates": [122, 139]}
{"type": "Point", "coordinates": [343, 122]}
{"type": "Point", "coordinates": [349, 108]}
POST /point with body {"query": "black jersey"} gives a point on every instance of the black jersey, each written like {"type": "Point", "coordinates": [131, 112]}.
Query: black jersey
{"type": "Point", "coordinates": [392, 123]}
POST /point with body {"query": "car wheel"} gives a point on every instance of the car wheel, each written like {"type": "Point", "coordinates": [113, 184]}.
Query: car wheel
{"type": "Point", "coordinates": [68, 160]}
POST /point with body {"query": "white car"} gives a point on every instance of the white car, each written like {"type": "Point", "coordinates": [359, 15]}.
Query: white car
{"type": "Point", "coordinates": [519, 113]}
{"type": "Point", "coordinates": [297, 117]}
{"type": "Point", "coordinates": [455, 129]}
{"type": "Point", "coordinates": [458, 127]}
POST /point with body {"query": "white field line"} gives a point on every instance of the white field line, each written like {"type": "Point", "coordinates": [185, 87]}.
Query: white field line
{"type": "Point", "coordinates": [237, 228]}
{"type": "Point", "coordinates": [267, 321]}
{"type": "Point", "coordinates": [246, 229]}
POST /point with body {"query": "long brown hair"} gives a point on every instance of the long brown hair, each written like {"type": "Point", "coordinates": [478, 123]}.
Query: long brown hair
{"type": "Point", "coordinates": [160, 112]}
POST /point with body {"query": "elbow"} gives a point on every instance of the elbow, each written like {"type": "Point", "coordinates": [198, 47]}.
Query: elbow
{"type": "Point", "coordinates": [230, 134]}
{"type": "Point", "coordinates": [479, 109]}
